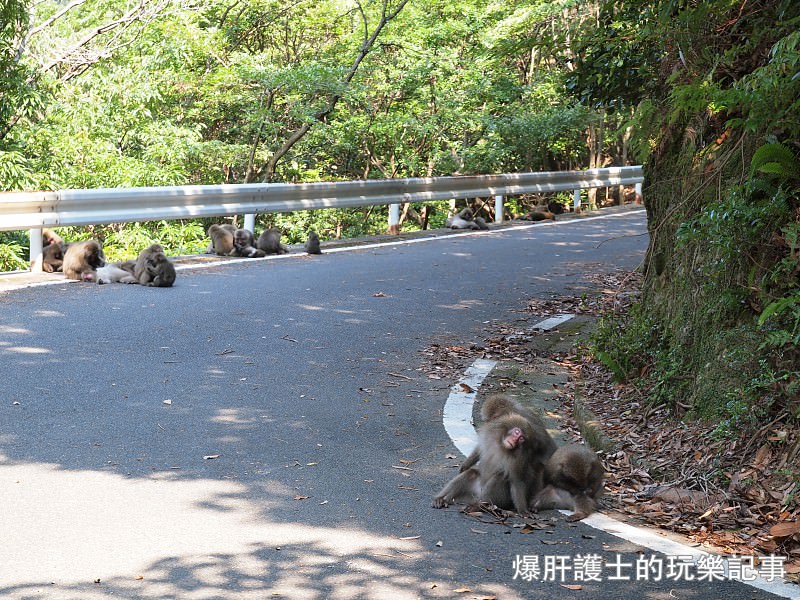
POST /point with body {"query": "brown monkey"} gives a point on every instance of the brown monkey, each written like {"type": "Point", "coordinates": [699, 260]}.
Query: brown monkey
{"type": "Point", "coordinates": [500, 405]}
{"type": "Point", "coordinates": [539, 215]}
{"type": "Point", "coordinates": [574, 478]}
{"type": "Point", "coordinates": [244, 245]}
{"type": "Point", "coordinates": [509, 474]}
{"type": "Point", "coordinates": [153, 268]}
{"type": "Point", "coordinates": [270, 242]}
{"type": "Point", "coordinates": [52, 257]}
{"type": "Point", "coordinates": [312, 243]}
{"type": "Point", "coordinates": [81, 260]}
{"type": "Point", "coordinates": [221, 239]}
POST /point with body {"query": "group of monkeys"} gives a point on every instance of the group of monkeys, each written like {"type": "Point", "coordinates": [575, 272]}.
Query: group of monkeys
{"type": "Point", "coordinates": [466, 219]}
{"type": "Point", "coordinates": [227, 240]}
{"type": "Point", "coordinates": [85, 261]}
{"type": "Point", "coordinates": [517, 466]}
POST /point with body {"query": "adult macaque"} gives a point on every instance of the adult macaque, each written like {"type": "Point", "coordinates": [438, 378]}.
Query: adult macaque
{"type": "Point", "coordinates": [312, 243]}
{"type": "Point", "coordinates": [464, 220]}
{"type": "Point", "coordinates": [574, 481]}
{"type": "Point", "coordinates": [221, 239]}
{"type": "Point", "coordinates": [152, 268]}
{"type": "Point", "coordinates": [509, 474]}
{"type": "Point", "coordinates": [244, 245]}
{"type": "Point", "coordinates": [81, 260]}
{"type": "Point", "coordinates": [270, 242]}
{"type": "Point", "coordinates": [500, 405]}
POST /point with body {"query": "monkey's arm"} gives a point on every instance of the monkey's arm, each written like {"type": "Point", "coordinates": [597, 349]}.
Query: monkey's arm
{"type": "Point", "coordinates": [472, 459]}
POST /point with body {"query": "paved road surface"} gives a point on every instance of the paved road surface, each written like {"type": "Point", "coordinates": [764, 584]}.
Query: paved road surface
{"type": "Point", "coordinates": [265, 429]}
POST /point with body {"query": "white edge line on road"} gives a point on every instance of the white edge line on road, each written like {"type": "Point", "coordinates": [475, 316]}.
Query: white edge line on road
{"type": "Point", "coordinates": [457, 419]}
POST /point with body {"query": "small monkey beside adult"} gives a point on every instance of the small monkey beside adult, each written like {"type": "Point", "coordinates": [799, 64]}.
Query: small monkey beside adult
{"type": "Point", "coordinates": [574, 481]}
{"type": "Point", "coordinates": [312, 243]}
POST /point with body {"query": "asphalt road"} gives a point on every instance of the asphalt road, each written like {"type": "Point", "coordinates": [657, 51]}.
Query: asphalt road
{"type": "Point", "coordinates": [268, 429]}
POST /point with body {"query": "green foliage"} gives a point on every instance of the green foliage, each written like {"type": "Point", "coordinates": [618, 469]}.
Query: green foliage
{"type": "Point", "coordinates": [12, 252]}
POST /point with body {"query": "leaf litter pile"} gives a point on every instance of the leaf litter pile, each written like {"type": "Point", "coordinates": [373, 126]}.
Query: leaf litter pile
{"type": "Point", "coordinates": [738, 495]}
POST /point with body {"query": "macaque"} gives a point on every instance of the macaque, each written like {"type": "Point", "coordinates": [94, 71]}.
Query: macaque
{"type": "Point", "coordinates": [221, 239]}
{"type": "Point", "coordinates": [244, 245]}
{"type": "Point", "coordinates": [574, 481]}
{"type": "Point", "coordinates": [270, 242]}
{"type": "Point", "coordinates": [52, 258]}
{"type": "Point", "coordinates": [153, 268]}
{"type": "Point", "coordinates": [539, 215]}
{"type": "Point", "coordinates": [481, 223]}
{"type": "Point", "coordinates": [509, 473]}
{"type": "Point", "coordinates": [312, 243]}
{"type": "Point", "coordinates": [464, 220]}
{"type": "Point", "coordinates": [500, 405]}
{"type": "Point", "coordinates": [114, 274]}
{"type": "Point", "coordinates": [81, 260]}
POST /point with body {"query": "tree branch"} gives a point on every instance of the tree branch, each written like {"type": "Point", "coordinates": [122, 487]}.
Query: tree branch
{"type": "Point", "coordinates": [366, 46]}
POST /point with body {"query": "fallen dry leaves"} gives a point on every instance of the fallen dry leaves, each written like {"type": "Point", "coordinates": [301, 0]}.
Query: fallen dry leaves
{"type": "Point", "coordinates": [735, 495]}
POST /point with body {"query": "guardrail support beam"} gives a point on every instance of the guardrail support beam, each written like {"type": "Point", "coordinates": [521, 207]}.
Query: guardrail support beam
{"type": "Point", "coordinates": [394, 219]}
{"type": "Point", "coordinates": [498, 208]}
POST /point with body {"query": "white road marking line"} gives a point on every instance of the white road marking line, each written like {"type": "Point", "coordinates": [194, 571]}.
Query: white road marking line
{"type": "Point", "coordinates": [553, 322]}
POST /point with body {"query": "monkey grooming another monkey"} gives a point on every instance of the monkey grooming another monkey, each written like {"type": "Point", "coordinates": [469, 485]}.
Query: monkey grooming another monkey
{"type": "Point", "coordinates": [539, 215]}
{"type": "Point", "coordinates": [270, 242]}
{"type": "Point", "coordinates": [81, 260]}
{"type": "Point", "coordinates": [244, 245]}
{"type": "Point", "coordinates": [153, 268]}
{"type": "Point", "coordinates": [500, 405]}
{"type": "Point", "coordinates": [312, 243]}
{"type": "Point", "coordinates": [574, 478]}
{"type": "Point", "coordinates": [221, 239]}
{"type": "Point", "coordinates": [509, 473]}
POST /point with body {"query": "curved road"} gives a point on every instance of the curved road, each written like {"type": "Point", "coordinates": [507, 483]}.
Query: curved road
{"type": "Point", "coordinates": [267, 429]}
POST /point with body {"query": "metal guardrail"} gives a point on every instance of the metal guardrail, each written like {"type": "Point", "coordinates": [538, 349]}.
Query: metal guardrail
{"type": "Point", "coordinates": [34, 210]}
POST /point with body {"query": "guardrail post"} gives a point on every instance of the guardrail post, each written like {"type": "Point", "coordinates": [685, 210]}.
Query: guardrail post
{"type": "Point", "coordinates": [498, 209]}
{"type": "Point", "coordinates": [638, 196]}
{"type": "Point", "coordinates": [36, 247]}
{"type": "Point", "coordinates": [394, 219]}
{"type": "Point", "coordinates": [576, 201]}
{"type": "Point", "coordinates": [250, 222]}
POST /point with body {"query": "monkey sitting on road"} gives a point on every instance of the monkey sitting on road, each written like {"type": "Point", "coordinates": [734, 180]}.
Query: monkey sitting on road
{"type": "Point", "coordinates": [221, 239]}
{"type": "Point", "coordinates": [244, 245]}
{"type": "Point", "coordinates": [574, 478]}
{"type": "Point", "coordinates": [509, 472]}
{"type": "Point", "coordinates": [500, 405]}
{"type": "Point", "coordinates": [270, 242]}
{"type": "Point", "coordinates": [81, 260]}
{"type": "Point", "coordinates": [312, 243]}
{"type": "Point", "coordinates": [152, 268]}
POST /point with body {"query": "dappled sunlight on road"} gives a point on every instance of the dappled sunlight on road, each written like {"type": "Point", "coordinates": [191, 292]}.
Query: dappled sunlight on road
{"type": "Point", "coordinates": [89, 534]}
